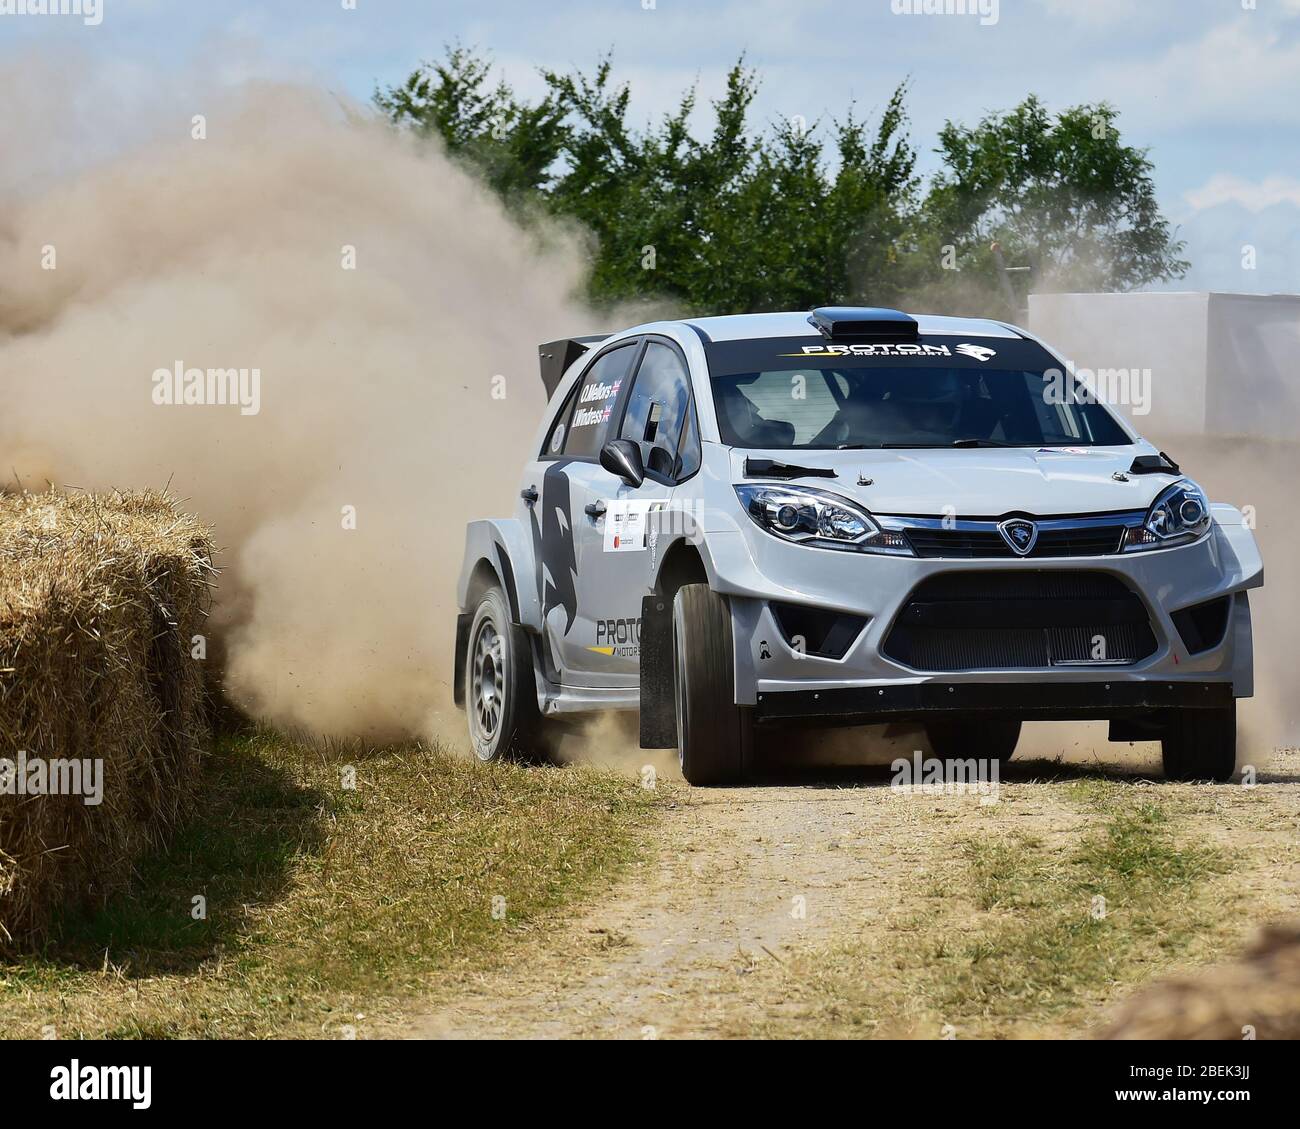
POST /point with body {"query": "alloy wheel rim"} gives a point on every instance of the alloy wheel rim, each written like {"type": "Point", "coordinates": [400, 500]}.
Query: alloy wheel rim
{"type": "Point", "coordinates": [488, 682]}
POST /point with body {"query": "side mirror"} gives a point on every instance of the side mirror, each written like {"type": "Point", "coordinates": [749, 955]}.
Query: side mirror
{"type": "Point", "coordinates": [622, 457]}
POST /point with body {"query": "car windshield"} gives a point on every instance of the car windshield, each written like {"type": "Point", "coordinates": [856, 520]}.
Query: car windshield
{"type": "Point", "coordinates": [856, 402]}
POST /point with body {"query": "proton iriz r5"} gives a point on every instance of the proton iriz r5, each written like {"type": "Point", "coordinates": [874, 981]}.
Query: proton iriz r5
{"type": "Point", "coordinates": [742, 523]}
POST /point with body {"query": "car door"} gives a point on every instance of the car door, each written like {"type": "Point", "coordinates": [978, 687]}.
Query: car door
{"type": "Point", "coordinates": [615, 537]}
{"type": "Point", "coordinates": [563, 478]}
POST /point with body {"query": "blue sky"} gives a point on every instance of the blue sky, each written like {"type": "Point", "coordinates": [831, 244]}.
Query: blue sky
{"type": "Point", "coordinates": [1212, 87]}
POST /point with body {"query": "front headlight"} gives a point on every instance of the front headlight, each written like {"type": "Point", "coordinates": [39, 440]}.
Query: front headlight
{"type": "Point", "coordinates": [1179, 516]}
{"type": "Point", "coordinates": [817, 518]}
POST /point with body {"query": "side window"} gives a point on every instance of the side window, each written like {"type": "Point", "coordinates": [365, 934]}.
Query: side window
{"type": "Point", "coordinates": [554, 445]}
{"type": "Point", "coordinates": [597, 394]}
{"type": "Point", "coordinates": [658, 407]}
{"type": "Point", "coordinates": [689, 451]}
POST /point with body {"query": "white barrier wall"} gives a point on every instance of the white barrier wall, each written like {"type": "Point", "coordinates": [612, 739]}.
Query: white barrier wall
{"type": "Point", "coordinates": [1220, 364]}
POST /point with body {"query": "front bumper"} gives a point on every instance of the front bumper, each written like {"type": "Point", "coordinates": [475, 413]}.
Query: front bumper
{"type": "Point", "coordinates": [1031, 701]}
{"type": "Point", "coordinates": [753, 569]}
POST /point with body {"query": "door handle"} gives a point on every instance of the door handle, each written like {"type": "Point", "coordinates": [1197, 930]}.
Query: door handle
{"type": "Point", "coordinates": [530, 495]}
{"type": "Point", "coordinates": [595, 510]}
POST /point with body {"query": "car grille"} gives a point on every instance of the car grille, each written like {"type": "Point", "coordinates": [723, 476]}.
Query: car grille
{"type": "Point", "coordinates": [1017, 620]}
{"type": "Point", "coordinates": [1082, 541]}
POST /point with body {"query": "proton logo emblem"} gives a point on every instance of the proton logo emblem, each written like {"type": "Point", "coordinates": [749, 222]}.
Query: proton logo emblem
{"type": "Point", "coordinates": [979, 352]}
{"type": "Point", "coordinates": [1020, 535]}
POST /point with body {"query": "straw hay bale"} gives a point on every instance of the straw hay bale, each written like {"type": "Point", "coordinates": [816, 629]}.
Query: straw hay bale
{"type": "Point", "coordinates": [100, 598]}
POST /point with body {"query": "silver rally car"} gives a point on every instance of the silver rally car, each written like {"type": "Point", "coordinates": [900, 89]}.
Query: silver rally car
{"type": "Point", "coordinates": [736, 524]}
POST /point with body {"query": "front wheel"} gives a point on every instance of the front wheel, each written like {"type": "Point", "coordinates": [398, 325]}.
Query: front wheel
{"type": "Point", "coordinates": [987, 739]}
{"type": "Point", "coordinates": [1200, 744]}
{"type": "Point", "coordinates": [500, 693]}
{"type": "Point", "coordinates": [713, 733]}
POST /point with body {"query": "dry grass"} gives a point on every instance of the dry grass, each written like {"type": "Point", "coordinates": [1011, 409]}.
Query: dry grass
{"type": "Point", "coordinates": [100, 597]}
{"type": "Point", "coordinates": [1006, 940]}
{"type": "Point", "coordinates": [327, 906]}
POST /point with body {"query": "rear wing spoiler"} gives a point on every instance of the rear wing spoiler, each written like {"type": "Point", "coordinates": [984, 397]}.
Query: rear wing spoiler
{"type": "Point", "coordinates": [556, 357]}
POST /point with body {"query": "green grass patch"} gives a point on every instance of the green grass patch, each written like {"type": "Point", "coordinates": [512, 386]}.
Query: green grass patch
{"type": "Point", "coordinates": [1025, 936]}
{"type": "Point", "coordinates": [329, 879]}
{"type": "Point", "coordinates": [1061, 931]}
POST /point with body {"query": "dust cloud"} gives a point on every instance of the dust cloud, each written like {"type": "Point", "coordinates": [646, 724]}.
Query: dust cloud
{"type": "Point", "coordinates": [402, 391]}
{"type": "Point", "coordinates": [1258, 475]}
{"type": "Point", "coordinates": [376, 383]}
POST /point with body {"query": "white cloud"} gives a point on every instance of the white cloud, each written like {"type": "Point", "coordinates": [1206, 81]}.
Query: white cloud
{"type": "Point", "coordinates": [1241, 72]}
{"type": "Point", "coordinates": [1254, 195]}
{"type": "Point", "coordinates": [1095, 12]}
{"type": "Point", "coordinates": [1238, 250]}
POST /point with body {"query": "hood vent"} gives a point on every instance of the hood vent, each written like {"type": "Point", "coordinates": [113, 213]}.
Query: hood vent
{"type": "Point", "coordinates": [770, 468]}
{"type": "Point", "coordinates": [1154, 464]}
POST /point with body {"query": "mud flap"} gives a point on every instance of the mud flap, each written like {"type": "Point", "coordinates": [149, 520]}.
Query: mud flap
{"type": "Point", "coordinates": [463, 621]}
{"type": "Point", "coordinates": [658, 709]}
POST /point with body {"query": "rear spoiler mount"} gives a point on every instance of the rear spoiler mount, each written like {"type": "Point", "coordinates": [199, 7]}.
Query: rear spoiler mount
{"type": "Point", "coordinates": [555, 357]}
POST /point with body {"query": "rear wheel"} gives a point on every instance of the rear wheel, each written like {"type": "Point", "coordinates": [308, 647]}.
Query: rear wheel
{"type": "Point", "coordinates": [713, 733]}
{"type": "Point", "coordinates": [986, 739]}
{"type": "Point", "coordinates": [1201, 744]}
{"type": "Point", "coordinates": [500, 694]}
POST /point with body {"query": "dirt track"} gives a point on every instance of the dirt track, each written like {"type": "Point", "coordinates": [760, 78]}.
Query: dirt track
{"type": "Point", "coordinates": [694, 942]}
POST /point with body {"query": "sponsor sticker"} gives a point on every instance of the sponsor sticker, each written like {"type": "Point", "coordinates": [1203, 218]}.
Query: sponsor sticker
{"type": "Point", "coordinates": [877, 349]}
{"type": "Point", "coordinates": [602, 396]}
{"type": "Point", "coordinates": [981, 353]}
{"type": "Point", "coordinates": [619, 638]}
{"type": "Point", "coordinates": [895, 349]}
{"type": "Point", "coordinates": [627, 526]}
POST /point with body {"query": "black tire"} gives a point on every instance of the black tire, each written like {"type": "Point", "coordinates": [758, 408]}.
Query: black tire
{"type": "Point", "coordinates": [713, 733]}
{"type": "Point", "coordinates": [993, 738]}
{"type": "Point", "coordinates": [1200, 744]}
{"type": "Point", "coordinates": [500, 693]}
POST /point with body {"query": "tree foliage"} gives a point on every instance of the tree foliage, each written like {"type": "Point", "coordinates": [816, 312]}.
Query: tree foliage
{"type": "Point", "coordinates": [793, 215]}
{"type": "Point", "coordinates": [1061, 196]}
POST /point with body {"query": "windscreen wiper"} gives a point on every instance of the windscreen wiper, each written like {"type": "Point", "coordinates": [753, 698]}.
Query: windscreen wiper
{"type": "Point", "coordinates": [911, 446]}
{"type": "Point", "coordinates": [925, 446]}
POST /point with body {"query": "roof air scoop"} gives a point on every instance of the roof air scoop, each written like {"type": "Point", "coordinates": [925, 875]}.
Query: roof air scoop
{"type": "Point", "coordinates": [863, 323]}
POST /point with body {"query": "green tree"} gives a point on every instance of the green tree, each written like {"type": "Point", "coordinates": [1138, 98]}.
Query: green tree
{"type": "Point", "coordinates": [737, 221]}
{"type": "Point", "coordinates": [733, 222]}
{"type": "Point", "coordinates": [514, 146]}
{"type": "Point", "coordinates": [797, 215]}
{"type": "Point", "coordinates": [1062, 201]}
